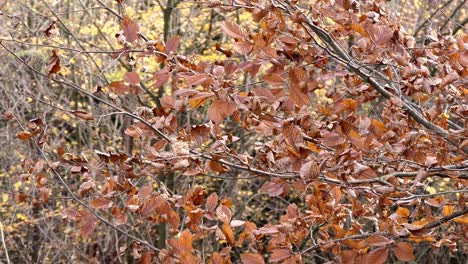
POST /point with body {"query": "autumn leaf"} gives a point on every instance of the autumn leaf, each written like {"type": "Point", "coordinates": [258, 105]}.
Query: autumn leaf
{"type": "Point", "coordinates": [228, 233]}
{"type": "Point", "coordinates": [219, 110]}
{"type": "Point", "coordinates": [53, 66]}
{"type": "Point", "coordinates": [83, 114]}
{"type": "Point", "coordinates": [130, 29]}
{"type": "Point", "coordinates": [378, 241]}
{"type": "Point", "coordinates": [403, 251]}
{"type": "Point", "coordinates": [378, 256]}
{"type": "Point", "coordinates": [119, 87]}
{"type": "Point", "coordinates": [243, 47]}
{"type": "Point", "coordinates": [224, 214]}
{"type": "Point", "coordinates": [101, 203]}
{"type": "Point", "coordinates": [199, 79]}
{"type": "Point", "coordinates": [252, 258]}
{"type": "Point", "coordinates": [70, 213]}
{"type": "Point", "coordinates": [233, 30]}
{"type": "Point", "coordinates": [132, 78]}
{"type": "Point", "coordinates": [172, 44]}
{"type": "Point", "coordinates": [52, 30]}
{"type": "Point", "coordinates": [24, 135]}
{"type": "Point", "coordinates": [278, 255]}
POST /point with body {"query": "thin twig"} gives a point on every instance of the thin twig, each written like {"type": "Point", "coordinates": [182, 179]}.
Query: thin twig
{"type": "Point", "coordinates": [4, 244]}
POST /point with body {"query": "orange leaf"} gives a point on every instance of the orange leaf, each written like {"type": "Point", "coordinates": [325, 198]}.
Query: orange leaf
{"type": "Point", "coordinates": [101, 203]}
{"type": "Point", "coordinates": [378, 256]}
{"type": "Point", "coordinates": [252, 258]}
{"type": "Point", "coordinates": [359, 29]}
{"type": "Point", "coordinates": [24, 135]}
{"type": "Point", "coordinates": [278, 255]}
{"type": "Point", "coordinates": [447, 210]}
{"type": "Point", "coordinates": [119, 87]}
{"type": "Point", "coordinates": [404, 251]}
{"type": "Point", "coordinates": [185, 241]}
{"type": "Point", "coordinates": [403, 212]}
{"type": "Point", "coordinates": [219, 110]}
{"type": "Point", "coordinates": [227, 231]}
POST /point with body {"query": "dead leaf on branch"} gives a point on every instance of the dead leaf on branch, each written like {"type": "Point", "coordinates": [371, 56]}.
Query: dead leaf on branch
{"type": "Point", "coordinates": [53, 66]}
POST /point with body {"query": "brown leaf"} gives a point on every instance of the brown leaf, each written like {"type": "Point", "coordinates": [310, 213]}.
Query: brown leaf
{"type": "Point", "coordinates": [252, 258]}
{"type": "Point", "coordinates": [172, 44]}
{"type": "Point", "coordinates": [224, 214]}
{"type": "Point", "coordinates": [298, 97]}
{"type": "Point", "coordinates": [8, 115]}
{"type": "Point", "coordinates": [219, 110]}
{"type": "Point", "coordinates": [70, 213]}
{"type": "Point", "coordinates": [273, 79]}
{"type": "Point", "coordinates": [310, 170]}
{"type": "Point", "coordinates": [52, 30]}
{"type": "Point", "coordinates": [404, 251]}
{"type": "Point", "coordinates": [381, 34]}
{"type": "Point", "coordinates": [199, 79]}
{"type": "Point", "coordinates": [119, 87]}
{"type": "Point", "coordinates": [211, 202]}
{"type": "Point", "coordinates": [378, 256]}
{"type": "Point", "coordinates": [233, 30]}
{"type": "Point", "coordinates": [130, 29]}
{"type": "Point", "coordinates": [378, 241]}
{"type": "Point", "coordinates": [132, 78]}
{"type": "Point", "coordinates": [243, 47]}
{"type": "Point", "coordinates": [145, 191]}
{"type": "Point", "coordinates": [199, 99]}
{"type": "Point", "coordinates": [83, 115]}
{"type": "Point", "coordinates": [24, 135]}
{"type": "Point", "coordinates": [53, 66]}
{"type": "Point", "coordinates": [278, 255]}
{"type": "Point", "coordinates": [101, 203]}
{"type": "Point", "coordinates": [293, 137]}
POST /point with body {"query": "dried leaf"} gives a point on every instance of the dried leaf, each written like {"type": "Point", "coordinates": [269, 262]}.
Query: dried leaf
{"type": "Point", "coordinates": [224, 214]}
{"type": "Point", "coordinates": [53, 66]}
{"type": "Point", "coordinates": [101, 203]}
{"type": "Point", "coordinates": [228, 233]}
{"type": "Point", "coordinates": [52, 30]}
{"type": "Point", "coordinates": [130, 29]}
{"type": "Point", "coordinates": [172, 44]}
{"type": "Point", "coordinates": [243, 47]}
{"type": "Point", "coordinates": [219, 110]}
{"type": "Point", "coordinates": [24, 135]}
{"type": "Point", "coordinates": [83, 114]}
{"type": "Point", "coordinates": [119, 87]}
{"type": "Point", "coordinates": [404, 251]}
{"type": "Point", "coordinates": [378, 256]}
{"type": "Point", "coordinates": [132, 78]}
{"type": "Point", "coordinates": [378, 241]}
{"type": "Point", "coordinates": [233, 30]}
{"type": "Point", "coordinates": [278, 255]}
{"type": "Point", "coordinates": [252, 258]}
